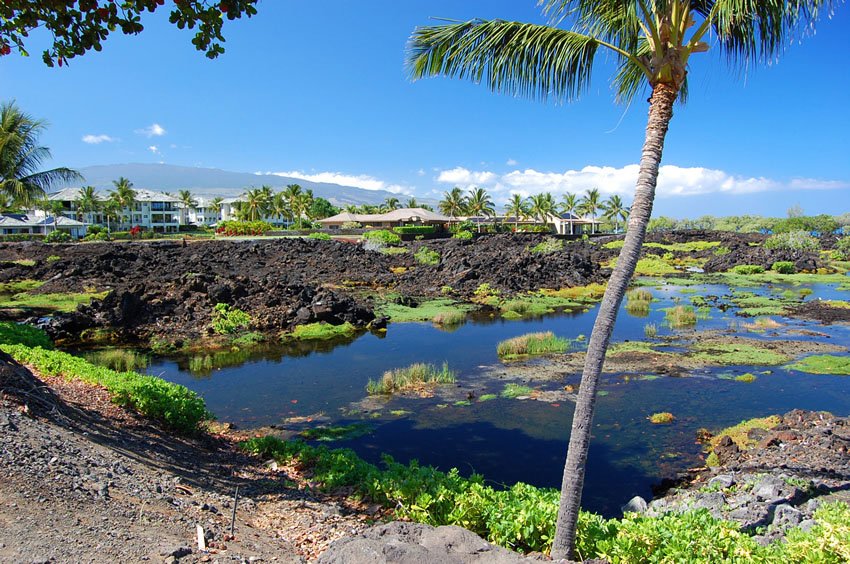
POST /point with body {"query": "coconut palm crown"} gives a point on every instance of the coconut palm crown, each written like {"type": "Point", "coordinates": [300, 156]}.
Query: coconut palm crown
{"type": "Point", "coordinates": [21, 158]}
{"type": "Point", "coordinates": [651, 43]}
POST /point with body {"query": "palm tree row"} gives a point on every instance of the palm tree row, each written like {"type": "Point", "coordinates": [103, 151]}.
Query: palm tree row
{"type": "Point", "coordinates": [541, 206]}
{"type": "Point", "coordinates": [476, 203]}
{"type": "Point", "coordinates": [388, 205]}
{"type": "Point", "coordinates": [291, 204]}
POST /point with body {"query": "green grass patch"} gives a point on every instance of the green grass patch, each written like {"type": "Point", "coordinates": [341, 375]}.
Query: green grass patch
{"type": "Point", "coordinates": [649, 266]}
{"type": "Point", "coordinates": [336, 432]}
{"type": "Point", "coordinates": [320, 332]}
{"type": "Point", "coordinates": [522, 517]}
{"type": "Point", "coordinates": [20, 286]}
{"type": "Point", "coordinates": [680, 316]}
{"type": "Point", "coordinates": [414, 377]}
{"type": "Point", "coordinates": [532, 344]}
{"type": "Point", "coordinates": [650, 331]}
{"type": "Point", "coordinates": [120, 360]}
{"type": "Point", "coordinates": [65, 302]}
{"type": "Point", "coordinates": [823, 364]}
{"type": "Point", "coordinates": [451, 318]}
{"type": "Point", "coordinates": [425, 311]}
{"type": "Point", "coordinates": [637, 302]}
{"type": "Point", "coordinates": [20, 262]}
{"type": "Point", "coordinates": [487, 397]}
{"type": "Point", "coordinates": [175, 406]}
{"type": "Point", "coordinates": [23, 334]}
{"type": "Point", "coordinates": [513, 391]}
{"type": "Point", "coordinates": [729, 354]}
{"type": "Point", "coordinates": [748, 378]}
{"type": "Point", "coordinates": [249, 339]}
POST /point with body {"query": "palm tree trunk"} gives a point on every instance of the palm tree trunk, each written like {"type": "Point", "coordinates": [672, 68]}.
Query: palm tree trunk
{"type": "Point", "coordinates": [660, 113]}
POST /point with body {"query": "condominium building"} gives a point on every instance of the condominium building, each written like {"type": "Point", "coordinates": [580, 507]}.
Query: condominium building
{"type": "Point", "coordinates": [154, 211]}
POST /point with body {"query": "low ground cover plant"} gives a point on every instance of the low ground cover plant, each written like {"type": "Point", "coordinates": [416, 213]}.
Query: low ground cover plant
{"type": "Point", "coordinates": [523, 517]}
{"type": "Point", "coordinates": [174, 406]}
{"type": "Point", "coordinates": [784, 267]}
{"type": "Point", "coordinates": [463, 235]}
{"type": "Point", "coordinates": [319, 236]}
{"type": "Point", "coordinates": [414, 377]}
{"type": "Point", "coordinates": [747, 269]}
{"type": "Point", "coordinates": [823, 364]}
{"type": "Point", "coordinates": [662, 418]}
{"type": "Point", "coordinates": [415, 230]}
{"type": "Point", "coordinates": [513, 391]}
{"type": "Point", "coordinates": [23, 334]}
{"type": "Point", "coordinates": [548, 246]}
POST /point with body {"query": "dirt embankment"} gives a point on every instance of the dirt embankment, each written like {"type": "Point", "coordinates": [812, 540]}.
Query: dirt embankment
{"type": "Point", "coordinates": [168, 289]}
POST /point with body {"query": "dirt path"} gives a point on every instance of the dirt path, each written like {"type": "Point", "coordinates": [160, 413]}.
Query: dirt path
{"type": "Point", "coordinates": [84, 481]}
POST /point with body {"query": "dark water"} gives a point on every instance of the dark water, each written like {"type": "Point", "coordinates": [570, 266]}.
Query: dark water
{"type": "Point", "coordinates": [512, 440]}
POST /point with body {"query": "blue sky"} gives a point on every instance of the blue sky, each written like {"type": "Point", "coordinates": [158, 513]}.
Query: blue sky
{"type": "Point", "coordinates": [318, 89]}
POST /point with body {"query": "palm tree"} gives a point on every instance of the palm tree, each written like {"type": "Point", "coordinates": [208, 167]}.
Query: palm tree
{"type": "Point", "coordinates": [541, 206]}
{"type": "Point", "coordinates": [453, 203]}
{"type": "Point", "coordinates": [253, 207]}
{"type": "Point", "coordinates": [517, 208]}
{"type": "Point", "coordinates": [590, 204]}
{"type": "Point", "coordinates": [111, 211]}
{"type": "Point", "coordinates": [391, 204]}
{"type": "Point", "coordinates": [479, 203]}
{"type": "Point", "coordinates": [187, 201]}
{"type": "Point", "coordinates": [21, 157]}
{"type": "Point", "coordinates": [614, 210]}
{"type": "Point", "coordinates": [570, 206]}
{"type": "Point", "coordinates": [651, 42]}
{"type": "Point", "coordinates": [215, 206]}
{"type": "Point", "coordinates": [411, 203]}
{"type": "Point", "coordinates": [301, 205]}
{"type": "Point", "coordinates": [280, 207]}
{"type": "Point", "coordinates": [88, 202]}
{"type": "Point", "coordinates": [124, 197]}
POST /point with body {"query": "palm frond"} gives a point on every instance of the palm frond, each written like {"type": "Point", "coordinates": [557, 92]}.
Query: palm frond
{"type": "Point", "coordinates": [46, 179]}
{"type": "Point", "coordinates": [519, 59]}
{"type": "Point", "coordinates": [760, 30]}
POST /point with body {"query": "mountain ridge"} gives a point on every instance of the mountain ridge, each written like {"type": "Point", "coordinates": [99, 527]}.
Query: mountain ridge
{"type": "Point", "coordinates": [212, 182]}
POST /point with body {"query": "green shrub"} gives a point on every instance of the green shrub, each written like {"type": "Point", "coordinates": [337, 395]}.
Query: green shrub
{"type": "Point", "coordinates": [235, 228]}
{"type": "Point", "coordinates": [463, 235]}
{"type": "Point", "coordinates": [413, 377]}
{"type": "Point", "coordinates": [227, 320]}
{"type": "Point", "coordinates": [351, 225]}
{"type": "Point", "coordinates": [319, 236]}
{"type": "Point", "coordinates": [662, 418]}
{"type": "Point", "coordinates": [57, 236]}
{"type": "Point", "coordinates": [842, 249]}
{"type": "Point", "coordinates": [415, 230]}
{"type": "Point", "coordinates": [382, 237]}
{"type": "Point", "coordinates": [23, 334]}
{"type": "Point", "coordinates": [98, 236]}
{"type": "Point", "coordinates": [747, 269]}
{"type": "Point", "coordinates": [424, 255]}
{"type": "Point", "coordinates": [175, 406]}
{"type": "Point", "coordinates": [784, 267]}
{"type": "Point", "coordinates": [793, 241]}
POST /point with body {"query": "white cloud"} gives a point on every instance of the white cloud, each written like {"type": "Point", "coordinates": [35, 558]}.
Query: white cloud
{"type": "Point", "coordinates": [97, 139]}
{"type": "Point", "coordinates": [154, 149]}
{"type": "Point", "coordinates": [421, 172]}
{"type": "Point", "coordinates": [153, 130]}
{"type": "Point", "coordinates": [466, 177]}
{"type": "Point", "coordinates": [672, 181]}
{"type": "Point", "coordinates": [512, 162]}
{"type": "Point", "coordinates": [363, 181]}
